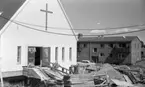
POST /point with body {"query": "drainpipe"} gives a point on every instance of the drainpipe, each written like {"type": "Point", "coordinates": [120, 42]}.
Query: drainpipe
{"type": "Point", "coordinates": [90, 51]}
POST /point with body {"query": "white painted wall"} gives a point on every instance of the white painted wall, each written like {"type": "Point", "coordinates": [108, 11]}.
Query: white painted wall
{"type": "Point", "coordinates": [16, 35]}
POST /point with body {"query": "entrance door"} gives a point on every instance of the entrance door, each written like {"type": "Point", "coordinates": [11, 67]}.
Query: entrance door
{"type": "Point", "coordinates": [38, 56]}
{"type": "Point", "coordinates": [34, 56]}
{"type": "Point", "coordinates": [45, 56]}
{"type": "Point", "coordinates": [95, 59]}
{"type": "Point", "coordinates": [31, 55]}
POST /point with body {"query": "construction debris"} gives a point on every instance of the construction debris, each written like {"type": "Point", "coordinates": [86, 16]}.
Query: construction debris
{"type": "Point", "coordinates": [106, 75]}
{"type": "Point", "coordinates": [53, 75]}
{"type": "Point", "coordinates": [122, 83]}
{"type": "Point", "coordinates": [88, 75]}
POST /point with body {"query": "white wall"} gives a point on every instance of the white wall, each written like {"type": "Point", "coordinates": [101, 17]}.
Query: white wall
{"type": "Point", "coordinates": [16, 35]}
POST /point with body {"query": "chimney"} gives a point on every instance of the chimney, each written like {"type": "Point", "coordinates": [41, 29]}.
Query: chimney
{"type": "Point", "coordinates": [124, 37]}
{"type": "Point", "coordinates": [100, 36]}
{"type": "Point", "coordinates": [80, 35]}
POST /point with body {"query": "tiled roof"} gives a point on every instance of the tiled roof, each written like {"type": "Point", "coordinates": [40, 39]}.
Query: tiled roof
{"type": "Point", "coordinates": [108, 39]}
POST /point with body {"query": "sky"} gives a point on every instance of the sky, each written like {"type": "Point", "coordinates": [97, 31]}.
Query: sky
{"type": "Point", "coordinates": [106, 14]}
{"type": "Point", "coordinates": [8, 7]}
{"type": "Point", "coordinates": [96, 14]}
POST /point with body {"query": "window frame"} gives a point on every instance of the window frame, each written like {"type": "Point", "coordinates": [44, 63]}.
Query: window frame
{"type": "Point", "coordinates": [111, 55]}
{"type": "Point", "coordinates": [19, 54]}
{"type": "Point", "coordinates": [95, 51]}
{"type": "Point", "coordinates": [63, 54]}
{"type": "Point", "coordinates": [101, 54]}
{"type": "Point", "coordinates": [56, 54]}
{"type": "Point", "coordinates": [102, 45]}
{"type": "Point", "coordinates": [70, 54]}
{"type": "Point", "coordinates": [111, 45]}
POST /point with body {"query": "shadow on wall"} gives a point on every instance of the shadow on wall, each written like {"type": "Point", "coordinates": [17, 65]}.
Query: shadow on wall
{"type": "Point", "coordinates": [118, 56]}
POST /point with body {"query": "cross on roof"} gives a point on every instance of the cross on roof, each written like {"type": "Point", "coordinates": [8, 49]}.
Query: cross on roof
{"type": "Point", "coordinates": [46, 11]}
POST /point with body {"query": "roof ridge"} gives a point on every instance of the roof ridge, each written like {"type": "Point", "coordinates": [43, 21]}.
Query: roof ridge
{"type": "Point", "coordinates": [114, 38]}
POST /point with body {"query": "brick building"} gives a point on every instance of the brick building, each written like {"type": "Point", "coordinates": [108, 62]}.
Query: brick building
{"type": "Point", "coordinates": [117, 50]}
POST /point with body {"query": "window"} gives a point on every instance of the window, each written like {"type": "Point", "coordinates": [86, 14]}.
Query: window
{"type": "Point", "coordinates": [70, 54]}
{"type": "Point", "coordinates": [111, 45]}
{"type": "Point", "coordinates": [142, 53]}
{"type": "Point", "coordinates": [127, 45]}
{"type": "Point", "coordinates": [121, 56]}
{"type": "Point", "coordinates": [102, 45]}
{"type": "Point", "coordinates": [83, 45]}
{"type": "Point", "coordinates": [63, 54]}
{"type": "Point", "coordinates": [56, 54]}
{"type": "Point", "coordinates": [19, 54]}
{"type": "Point", "coordinates": [102, 54]}
{"type": "Point", "coordinates": [111, 55]}
{"type": "Point", "coordinates": [95, 50]}
{"type": "Point", "coordinates": [122, 45]}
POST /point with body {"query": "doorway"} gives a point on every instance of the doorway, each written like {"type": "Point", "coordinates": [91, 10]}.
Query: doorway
{"type": "Point", "coordinates": [34, 56]}
{"type": "Point", "coordinates": [95, 59]}
{"type": "Point", "coordinates": [38, 56]}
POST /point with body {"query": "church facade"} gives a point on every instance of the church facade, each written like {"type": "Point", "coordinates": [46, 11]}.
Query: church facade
{"type": "Point", "coordinates": [35, 36]}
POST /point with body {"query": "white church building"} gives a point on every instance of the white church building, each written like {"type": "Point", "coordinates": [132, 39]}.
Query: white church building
{"type": "Point", "coordinates": [38, 33]}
